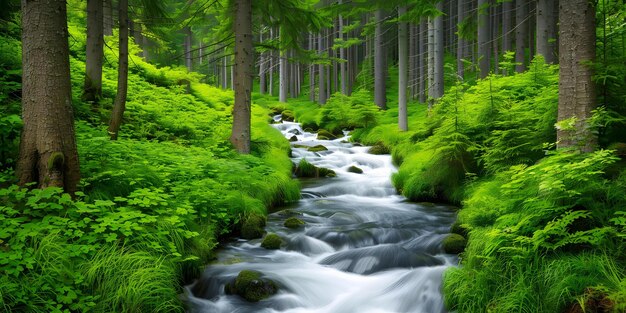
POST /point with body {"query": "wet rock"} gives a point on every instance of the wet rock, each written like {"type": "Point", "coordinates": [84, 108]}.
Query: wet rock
{"type": "Point", "coordinates": [293, 138]}
{"type": "Point", "coordinates": [306, 169]}
{"type": "Point", "coordinates": [458, 228]}
{"type": "Point", "coordinates": [295, 131]}
{"type": "Point", "coordinates": [252, 226]}
{"type": "Point", "coordinates": [271, 241]}
{"type": "Point", "coordinates": [454, 244]}
{"type": "Point", "coordinates": [293, 223]}
{"type": "Point", "coordinates": [317, 148]}
{"type": "Point", "coordinates": [251, 286]}
{"type": "Point", "coordinates": [378, 148]}
{"type": "Point", "coordinates": [354, 169]}
{"type": "Point", "coordinates": [323, 134]}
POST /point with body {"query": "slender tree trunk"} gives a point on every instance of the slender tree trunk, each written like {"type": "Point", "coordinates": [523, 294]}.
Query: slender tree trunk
{"type": "Point", "coordinates": [282, 77]}
{"type": "Point", "coordinates": [311, 70]}
{"type": "Point", "coordinates": [92, 90]}
{"type": "Point", "coordinates": [107, 20]}
{"type": "Point", "coordinates": [244, 68]}
{"type": "Point", "coordinates": [224, 71]}
{"type": "Point", "coordinates": [424, 53]}
{"type": "Point", "coordinates": [431, 60]}
{"type": "Point", "coordinates": [272, 64]}
{"type": "Point", "coordinates": [483, 37]}
{"type": "Point", "coordinates": [439, 53]}
{"type": "Point", "coordinates": [188, 61]}
{"type": "Point", "coordinates": [402, 71]}
{"type": "Point", "coordinates": [48, 154]}
{"type": "Point", "coordinates": [460, 48]}
{"type": "Point", "coordinates": [577, 50]}
{"type": "Point", "coordinates": [380, 88]}
{"type": "Point", "coordinates": [521, 34]}
{"type": "Point", "coordinates": [119, 105]}
{"type": "Point", "coordinates": [412, 62]}
{"type": "Point", "coordinates": [322, 72]}
{"type": "Point", "coordinates": [262, 68]}
{"type": "Point", "coordinates": [507, 16]}
{"type": "Point", "coordinates": [494, 39]}
{"type": "Point", "coordinates": [546, 39]}
{"type": "Point", "coordinates": [342, 56]}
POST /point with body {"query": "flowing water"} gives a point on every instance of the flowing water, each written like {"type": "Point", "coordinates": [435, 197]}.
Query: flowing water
{"type": "Point", "coordinates": [364, 249]}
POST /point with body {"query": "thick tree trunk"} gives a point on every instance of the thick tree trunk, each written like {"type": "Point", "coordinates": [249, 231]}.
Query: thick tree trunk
{"type": "Point", "coordinates": [402, 71]}
{"type": "Point", "coordinates": [546, 39]}
{"type": "Point", "coordinates": [322, 72]}
{"type": "Point", "coordinates": [311, 70]}
{"type": "Point", "coordinates": [119, 105]}
{"type": "Point", "coordinates": [521, 35]}
{"type": "Point", "coordinates": [507, 16]}
{"type": "Point", "coordinates": [107, 20]}
{"type": "Point", "coordinates": [92, 90]}
{"type": "Point", "coordinates": [483, 38]}
{"type": "Point", "coordinates": [438, 53]}
{"type": "Point", "coordinates": [380, 88]}
{"type": "Point", "coordinates": [48, 154]}
{"type": "Point", "coordinates": [188, 61]}
{"type": "Point", "coordinates": [244, 67]}
{"type": "Point", "coordinates": [577, 50]}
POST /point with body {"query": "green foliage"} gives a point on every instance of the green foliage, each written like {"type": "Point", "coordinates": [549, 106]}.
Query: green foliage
{"type": "Point", "coordinates": [454, 244]}
{"type": "Point", "coordinates": [348, 112]}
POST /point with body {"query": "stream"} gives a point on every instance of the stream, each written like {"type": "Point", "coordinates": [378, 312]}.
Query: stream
{"type": "Point", "coordinates": [364, 248]}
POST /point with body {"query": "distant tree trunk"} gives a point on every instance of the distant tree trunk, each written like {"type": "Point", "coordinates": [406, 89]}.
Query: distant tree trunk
{"type": "Point", "coordinates": [521, 34]}
{"type": "Point", "coordinates": [438, 53]}
{"type": "Point", "coordinates": [460, 48]}
{"type": "Point", "coordinates": [244, 67]}
{"type": "Point", "coordinates": [188, 61]}
{"type": "Point", "coordinates": [119, 105]}
{"type": "Point", "coordinates": [412, 62]}
{"type": "Point", "coordinates": [48, 154]}
{"type": "Point", "coordinates": [342, 56]}
{"type": "Point", "coordinates": [262, 68]}
{"type": "Point", "coordinates": [495, 36]}
{"type": "Point", "coordinates": [402, 71]}
{"type": "Point", "coordinates": [380, 88]}
{"type": "Point", "coordinates": [507, 16]}
{"type": "Point", "coordinates": [424, 53]}
{"type": "Point", "coordinates": [92, 90]}
{"type": "Point", "coordinates": [322, 72]}
{"type": "Point", "coordinates": [311, 70]}
{"type": "Point", "coordinates": [577, 50]}
{"type": "Point", "coordinates": [107, 20]}
{"type": "Point", "coordinates": [282, 77]}
{"type": "Point", "coordinates": [272, 64]}
{"type": "Point", "coordinates": [546, 39]}
{"type": "Point", "coordinates": [483, 37]}
{"type": "Point", "coordinates": [224, 71]}
{"type": "Point", "coordinates": [138, 35]}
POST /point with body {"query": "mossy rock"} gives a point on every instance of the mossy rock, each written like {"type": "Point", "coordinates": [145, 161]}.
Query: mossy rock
{"type": "Point", "coordinates": [454, 244]}
{"type": "Point", "coordinates": [288, 116]}
{"type": "Point", "coordinates": [323, 134]}
{"type": "Point", "coordinates": [458, 228]}
{"type": "Point", "coordinates": [378, 148]}
{"type": "Point", "coordinates": [251, 286]}
{"type": "Point", "coordinates": [252, 226]}
{"type": "Point", "coordinates": [276, 110]}
{"type": "Point", "coordinates": [293, 223]}
{"type": "Point", "coordinates": [324, 172]}
{"type": "Point", "coordinates": [306, 169]}
{"type": "Point", "coordinates": [271, 241]}
{"type": "Point", "coordinates": [293, 138]}
{"type": "Point", "coordinates": [354, 169]}
{"type": "Point", "coordinates": [317, 148]}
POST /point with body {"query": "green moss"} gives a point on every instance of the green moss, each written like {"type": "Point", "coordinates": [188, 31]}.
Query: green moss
{"type": "Point", "coordinates": [458, 228]}
{"type": "Point", "coordinates": [317, 148]}
{"type": "Point", "coordinates": [288, 116]}
{"type": "Point", "coordinates": [323, 134]}
{"type": "Point", "coordinates": [379, 148]}
{"type": "Point", "coordinates": [252, 226]}
{"type": "Point", "coordinates": [271, 241]}
{"type": "Point", "coordinates": [294, 222]}
{"type": "Point", "coordinates": [56, 161]}
{"type": "Point", "coordinates": [306, 169]}
{"type": "Point", "coordinates": [354, 169]}
{"type": "Point", "coordinates": [251, 286]}
{"type": "Point", "coordinates": [454, 244]}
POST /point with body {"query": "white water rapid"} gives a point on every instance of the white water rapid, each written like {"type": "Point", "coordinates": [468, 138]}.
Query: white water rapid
{"type": "Point", "coordinates": [364, 249]}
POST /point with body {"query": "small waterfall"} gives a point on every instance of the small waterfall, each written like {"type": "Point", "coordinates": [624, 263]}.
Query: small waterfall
{"type": "Point", "coordinates": [364, 249]}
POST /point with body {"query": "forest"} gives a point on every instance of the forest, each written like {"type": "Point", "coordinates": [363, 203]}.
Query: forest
{"type": "Point", "coordinates": [313, 156]}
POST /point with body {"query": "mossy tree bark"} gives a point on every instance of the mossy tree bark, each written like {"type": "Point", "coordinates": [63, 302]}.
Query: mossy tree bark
{"type": "Point", "coordinates": [48, 155]}
{"type": "Point", "coordinates": [92, 90]}
{"type": "Point", "coordinates": [122, 73]}
{"type": "Point", "coordinates": [577, 98]}
{"type": "Point", "coordinates": [244, 58]}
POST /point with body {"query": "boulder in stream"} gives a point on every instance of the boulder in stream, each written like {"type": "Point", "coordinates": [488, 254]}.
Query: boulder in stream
{"type": "Point", "coordinates": [306, 169]}
{"type": "Point", "coordinates": [293, 222]}
{"type": "Point", "coordinates": [252, 226]}
{"type": "Point", "coordinates": [293, 138]}
{"type": "Point", "coordinates": [379, 148]}
{"type": "Point", "coordinates": [271, 242]}
{"type": "Point", "coordinates": [251, 286]}
{"type": "Point", "coordinates": [454, 244]}
{"type": "Point", "coordinates": [288, 116]}
{"type": "Point", "coordinates": [323, 134]}
{"type": "Point", "coordinates": [317, 148]}
{"type": "Point", "coordinates": [354, 169]}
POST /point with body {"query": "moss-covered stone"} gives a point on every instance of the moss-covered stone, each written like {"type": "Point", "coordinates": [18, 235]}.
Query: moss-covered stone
{"type": "Point", "coordinates": [354, 169]}
{"type": "Point", "coordinates": [293, 222]}
{"type": "Point", "coordinates": [293, 138]}
{"type": "Point", "coordinates": [379, 148]}
{"type": "Point", "coordinates": [306, 169]}
{"type": "Point", "coordinates": [317, 148]}
{"type": "Point", "coordinates": [251, 286]}
{"type": "Point", "coordinates": [271, 241]}
{"type": "Point", "coordinates": [323, 134]}
{"type": "Point", "coordinates": [324, 172]}
{"type": "Point", "coordinates": [454, 244]}
{"type": "Point", "coordinates": [252, 226]}
{"type": "Point", "coordinates": [288, 116]}
{"type": "Point", "coordinates": [458, 228]}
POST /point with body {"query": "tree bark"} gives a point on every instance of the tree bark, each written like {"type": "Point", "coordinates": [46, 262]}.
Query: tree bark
{"type": "Point", "coordinates": [402, 70]}
{"type": "Point", "coordinates": [188, 61]}
{"type": "Point", "coordinates": [424, 61]}
{"type": "Point", "coordinates": [262, 68]}
{"type": "Point", "coordinates": [577, 50]}
{"type": "Point", "coordinates": [483, 38]}
{"type": "Point", "coordinates": [244, 59]}
{"type": "Point", "coordinates": [460, 48]}
{"type": "Point", "coordinates": [380, 88]}
{"type": "Point", "coordinates": [282, 77]}
{"type": "Point", "coordinates": [521, 35]}
{"type": "Point", "coordinates": [92, 90]}
{"type": "Point", "coordinates": [107, 20]}
{"type": "Point", "coordinates": [311, 70]}
{"type": "Point", "coordinates": [546, 39]}
{"type": "Point", "coordinates": [322, 72]}
{"type": "Point", "coordinates": [439, 53]}
{"type": "Point", "coordinates": [119, 105]}
{"type": "Point", "coordinates": [342, 56]}
{"type": "Point", "coordinates": [48, 154]}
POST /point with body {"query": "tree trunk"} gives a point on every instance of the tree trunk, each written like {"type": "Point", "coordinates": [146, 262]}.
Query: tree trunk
{"type": "Point", "coordinates": [342, 56]}
{"type": "Point", "coordinates": [322, 72]}
{"type": "Point", "coordinates": [272, 64]}
{"type": "Point", "coordinates": [483, 37]}
{"type": "Point", "coordinates": [507, 16]}
{"type": "Point", "coordinates": [577, 50]}
{"type": "Point", "coordinates": [380, 88]}
{"type": "Point", "coordinates": [262, 68]}
{"type": "Point", "coordinates": [244, 67]}
{"type": "Point", "coordinates": [122, 72]}
{"type": "Point", "coordinates": [48, 154]}
{"type": "Point", "coordinates": [107, 20]}
{"type": "Point", "coordinates": [402, 70]}
{"type": "Point", "coordinates": [92, 90]}
{"type": "Point", "coordinates": [438, 53]}
{"type": "Point", "coordinates": [412, 62]}
{"type": "Point", "coordinates": [188, 61]}
{"type": "Point", "coordinates": [311, 70]}
{"type": "Point", "coordinates": [520, 34]}
{"type": "Point", "coordinates": [424, 53]}
{"type": "Point", "coordinates": [546, 40]}
{"type": "Point", "coordinates": [282, 77]}
{"type": "Point", "coordinates": [460, 48]}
